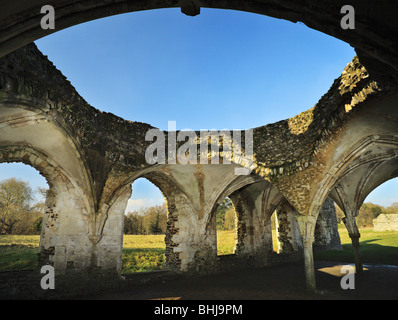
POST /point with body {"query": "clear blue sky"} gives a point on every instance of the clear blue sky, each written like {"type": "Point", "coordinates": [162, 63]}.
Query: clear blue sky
{"type": "Point", "coordinates": [221, 69]}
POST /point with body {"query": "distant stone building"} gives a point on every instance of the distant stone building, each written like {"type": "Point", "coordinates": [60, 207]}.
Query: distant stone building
{"type": "Point", "coordinates": [386, 222]}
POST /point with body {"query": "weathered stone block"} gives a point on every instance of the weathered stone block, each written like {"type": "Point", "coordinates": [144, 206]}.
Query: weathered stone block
{"type": "Point", "coordinates": [386, 222]}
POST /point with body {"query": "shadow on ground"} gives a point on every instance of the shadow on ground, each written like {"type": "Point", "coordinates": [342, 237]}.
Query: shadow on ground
{"type": "Point", "coordinates": [277, 283]}
{"type": "Point", "coordinates": [268, 283]}
{"type": "Point", "coordinates": [370, 253]}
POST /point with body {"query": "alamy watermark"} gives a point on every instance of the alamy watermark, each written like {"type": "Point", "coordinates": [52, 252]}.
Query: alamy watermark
{"type": "Point", "coordinates": [48, 20]}
{"type": "Point", "coordinates": [348, 280]}
{"type": "Point", "coordinates": [192, 147]}
{"type": "Point", "coordinates": [47, 281]}
{"type": "Point", "coordinates": [348, 21]}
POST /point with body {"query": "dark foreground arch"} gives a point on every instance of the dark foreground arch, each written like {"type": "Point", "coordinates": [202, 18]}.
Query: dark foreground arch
{"type": "Point", "coordinates": [375, 35]}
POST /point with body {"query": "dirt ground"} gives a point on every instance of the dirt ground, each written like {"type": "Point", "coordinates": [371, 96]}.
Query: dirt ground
{"type": "Point", "coordinates": [275, 283]}
{"type": "Point", "coordinates": [284, 282]}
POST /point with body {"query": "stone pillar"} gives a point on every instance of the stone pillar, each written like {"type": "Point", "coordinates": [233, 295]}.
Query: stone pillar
{"type": "Point", "coordinates": [75, 239]}
{"type": "Point", "coordinates": [107, 252]}
{"type": "Point", "coordinates": [64, 242]}
{"type": "Point", "coordinates": [254, 232]}
{"type": "Point", "coordinates": [192, 245]}
{"type": "Point", "coordinates": [353, 232]}
{"type": "Point", "coordinates": [287, 231]}
{"type": "Point", "coordinates": [326, 231]}
{"type": "Point", "coordinates": [191, 238]}
{"type": "Point", "coordinates": [244, 224]}
{"type": "Point", "coordinates": [172, 257]}
{"type": "Point", "coordinates": [307, 227]}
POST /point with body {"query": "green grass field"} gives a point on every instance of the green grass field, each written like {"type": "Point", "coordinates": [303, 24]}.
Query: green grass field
{"type": "Point", "coordinates": [376, 247]}
{"type": "Point", "coordinates": [18, 252]}
{"type": "Point", "coordinates": [145, 253]}
{"type": "Point", "coordinates": [225, 242]}
{"type": "Point", "coordinates": [142, 253]}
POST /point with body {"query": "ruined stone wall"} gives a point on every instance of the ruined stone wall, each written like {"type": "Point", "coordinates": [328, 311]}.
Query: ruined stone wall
{"type": "Point", "coordinates": [281, 149]}
{"type": "Point", "coordinates": [290, 159]}
{"type": "Point", "coordinates": [386, 222]}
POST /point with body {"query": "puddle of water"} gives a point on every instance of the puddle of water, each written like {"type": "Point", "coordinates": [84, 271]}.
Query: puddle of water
{"type": "Point", "coordinates": [380, 266]}
{"type": "Point", "coordinates": [335, 270]}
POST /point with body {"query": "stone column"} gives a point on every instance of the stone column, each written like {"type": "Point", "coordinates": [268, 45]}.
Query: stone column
{"type": "Point", "coordinates": [287, 232]}
{"type": "Point", "coordinates": [192, 243]}
{"type": "Point", "coordinates": [353, 232]}
{"type": "Point", "coordinates": [254, 232]}
{"type": "Point", "coordinates": [244, 224]}
{"type": "Point", "coordinates": [75, 239]}
{"type": "Point", "coordinates": [326, 231]}
{"type": "Point", "coordinates": [307, 227]}
{"type": "Point", "coordinates": [64, 241]}
{"type": "Point", "coordinates": [107, 252]}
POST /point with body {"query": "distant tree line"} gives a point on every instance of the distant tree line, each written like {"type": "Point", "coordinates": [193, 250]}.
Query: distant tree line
{"type": "Point", "coordinates": [153, 220]}
{"type": "Point", "coordinates": [149, 220]}
{"type": "Point", "coordinates": [368, 212]}
{"type": "Point", "coordinates": [18, 213]}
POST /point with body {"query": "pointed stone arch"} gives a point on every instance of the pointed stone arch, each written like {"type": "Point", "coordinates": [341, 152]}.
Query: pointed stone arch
{"type": "Point", "coordinates": [31, 136]}
{"type": "Point", "coordinates": [21, 22]}
{"type": "Point", "coordinates": [67, 213]}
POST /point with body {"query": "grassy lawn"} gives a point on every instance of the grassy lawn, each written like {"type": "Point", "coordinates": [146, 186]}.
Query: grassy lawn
{"type": "Point", "coordinates": [145, 253]}
{"type": "Point", "coordinates": [18, 252]}
{"type": "Point", "coordinates": [376, 247]}
{"type": "Point", "coordinates": [142, 253]}
{"type": "Point", "coordinates": [226, 242]}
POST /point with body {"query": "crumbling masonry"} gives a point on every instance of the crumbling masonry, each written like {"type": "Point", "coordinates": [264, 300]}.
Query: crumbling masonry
{"type": "Point", "coordinates": [343, 148]}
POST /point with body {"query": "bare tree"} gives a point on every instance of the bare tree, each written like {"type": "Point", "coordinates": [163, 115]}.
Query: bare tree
{"type": "Point", "coordinates": [15, 199]}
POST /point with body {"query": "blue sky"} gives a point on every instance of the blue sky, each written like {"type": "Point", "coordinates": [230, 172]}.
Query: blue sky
{"type": "Point", "coordinates": [222, 69]}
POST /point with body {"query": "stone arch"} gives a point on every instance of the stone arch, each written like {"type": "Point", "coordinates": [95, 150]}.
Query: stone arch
{"type": "Point", "coordinates": [354, 157]}
{"type": "Point", "coordinates": [29, 134]}
{"type": "Point", "coordinates": [221, 236]}
{"type": "Point", "coordinates": [237, 183]}
{"type": "Point", "coordinates": [175, 202]}
{"type": "Point", "coordinates": [66, 212]}
{"type": "Point", "coordinates": [179, 211]}
{"type": "Point", "coordinates": [375, 173]}
{"type": "Point", "coordinates": [192, 198]}
{"type": "Point", "coordinates": [358, 157]}
{"type": "Point", "coordinates": [254, 200]}
{"type": "Point", "coordinates": [26, 121]}
{"type": "Point", "coordinates": [225, 189]}
{"type": "Point", "coordinates": [367, 137]}
{"type": "Point", "coordinates": [369, 163]}
{"type": "Point", "coordinates": [21, 22]}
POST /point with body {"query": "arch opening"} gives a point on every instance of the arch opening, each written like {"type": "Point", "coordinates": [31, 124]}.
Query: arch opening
{"type": "Point", "coordinates": [381, 200]}
{"type": "Point", "coordinates": [226, 226]}
{"type": "Point", "coordinates": [377, 226]}
{"type": "Point", "coordinates": [145, 228]}
{"type": "Point", "coordinates": [365, 196]}
{"type": "Point", "coordinates": [22, 204]}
